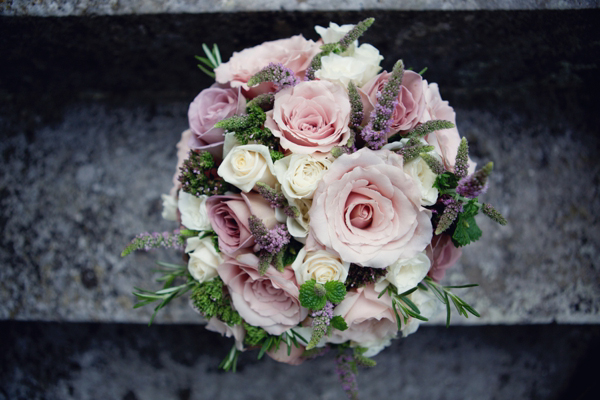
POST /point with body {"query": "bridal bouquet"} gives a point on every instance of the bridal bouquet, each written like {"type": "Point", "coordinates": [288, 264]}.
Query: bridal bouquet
{"type": "Point", "coordinates": [319, 202]}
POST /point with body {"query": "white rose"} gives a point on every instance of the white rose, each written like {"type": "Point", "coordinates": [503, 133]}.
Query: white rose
{"type": "Point", "coordinates": [320, 266]}
{"type": "Point", "coordinates": [204, 258]}
{"type": "Point", "coordinates": [193, 211]}
{"type": "Point", "coordinates": [299, 226]}
{"type": "Point", "coordinates": [299, 174]}
{"type": "Point", "coordinates": [334, 33]}
{"type": "Point", "coordinates": [405, 274]}
{"type": "Point", "coordinates": [245, 165]}
{"type": "Point", "coordinates": [374, 347]}
{"type": "Point", "coordinates": [420, 173]}
{"type": "Point", "coordinates": [359, 68]}
{"type": "Point", "coordinates": [169, 204]}
{"type": "Point", "coordinates": [429, 306]}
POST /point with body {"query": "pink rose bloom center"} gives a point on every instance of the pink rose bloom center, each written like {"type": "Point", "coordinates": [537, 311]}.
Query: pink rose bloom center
{"type": "Point", "coordinates": [367, 210]}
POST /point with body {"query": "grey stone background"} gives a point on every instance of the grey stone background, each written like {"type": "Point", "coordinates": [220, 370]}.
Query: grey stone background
{"type": "Point", "coordinates": [90, 111]}
{"type": "Point", "coordinates": [117, 7]}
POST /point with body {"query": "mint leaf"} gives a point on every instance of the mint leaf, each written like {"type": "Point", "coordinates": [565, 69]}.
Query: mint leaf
{"type": "Point", "coordinates": [339, 323]}
{"type": "Point", "coordinates": [308, 297]}
{"type": "Point", "coordinates": [336, 291]}
{"type": "Point", "coordinates": [446, 181]}
{"type": "Point", "coordinates": [466, 231]}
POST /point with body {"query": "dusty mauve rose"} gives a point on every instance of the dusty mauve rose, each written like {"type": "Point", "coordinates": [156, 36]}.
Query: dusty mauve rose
{"type": "Point", "coordinates": [209, 107]}
{"type": "Point", "coordinates": [443, 254]}
{"type": "Point", "coordinates": [310, 117]}
{"type": "Point", "coordinates": [411, 101]}
{"type": "Point", "coordinates": [369, 318]}
{"type": "Point", "coordinates": [294, 53]}
{"type": "Point", "coordinates": [228, 215]}
{"type": "Point", "coordinates": [269, 301]}
{"type": "Point", "coordinates": [367, 210]}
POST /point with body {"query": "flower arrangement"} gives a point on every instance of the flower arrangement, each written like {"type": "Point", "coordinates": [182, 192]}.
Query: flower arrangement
{"type": "Point", "coordinates": [320, 202]}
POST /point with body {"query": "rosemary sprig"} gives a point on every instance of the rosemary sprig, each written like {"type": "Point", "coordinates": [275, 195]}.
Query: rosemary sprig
{"type": "Point", "coordinates": [402, 305]}
{"type": "Point", "coordinates": [444, 295]}
{"type": "Point", "coordinates": [168, 292]}
{"type": "Point", "coordinates": [211, 61]}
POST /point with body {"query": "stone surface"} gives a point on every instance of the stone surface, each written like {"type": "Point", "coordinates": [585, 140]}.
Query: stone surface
{"type": "Point", "coordinates": [91, 108]}
{"type": "Point", "coordinates": [179, 362]}
{"type": "Point", "coordinates": [117, 7]}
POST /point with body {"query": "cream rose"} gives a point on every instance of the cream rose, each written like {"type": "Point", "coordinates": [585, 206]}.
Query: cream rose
{"type": "Point", "coordinates": [320, 266]}
{"type": "Point", "coordinates": [204, 258]}
{"type": "Point", "coordinates": [245, 165]}
{"type": "Point", "coordinates": [420, 172]}
{"type": "Point", "coordinates": [193, 211]}
{"type": "Point", "coordinates": [359, 67]}
{"type": "Point", "coordinates": [299, 174]}
{"type": "Point", "coordinates": [405, 274]}
{"type": "Point", "coordinates": [299, 226]}
{"type": "Point", "coordinates": [169, 204]}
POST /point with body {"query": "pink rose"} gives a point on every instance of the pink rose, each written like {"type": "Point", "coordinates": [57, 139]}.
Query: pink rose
{"type": "Point", "coordinates": [411, 101]}
{"type": "Point", "coordinates": [295, 53]}
{"type": "Point", "coordinates": [310, 117]}
{"type": "Point", "coordinates": [443, 254]}
{"type": "Point", "coordinates": [237, 331]}
{"type": "Point", "coordinates": [209, 107]}
{"type": "Point", "coordinates": [228, 215]}
{"type": "Point", "coordinates": [281, 354]}
{"type": "Point", "coordinates": [446, 141]}
{"type": "Point", "coordinates": [369, 318]}
{"type": "Point", "coordinates": [367, 210]}
{"type": "Point", "coordinates": [269, 301]}
{"type": "Point", "coordinates": [183, 152]}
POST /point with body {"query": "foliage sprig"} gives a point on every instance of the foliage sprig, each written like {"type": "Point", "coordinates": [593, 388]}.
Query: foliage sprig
{"type": "Point", "coordinates": [443, 294]}
{"type": "Point", "coordinates": [211, 61]}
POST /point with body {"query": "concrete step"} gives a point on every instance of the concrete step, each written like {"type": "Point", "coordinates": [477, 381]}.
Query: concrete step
{"type": "Point", "coordinates": [91, 109]}
{"type": "Point", "coordinates": [123, 361]}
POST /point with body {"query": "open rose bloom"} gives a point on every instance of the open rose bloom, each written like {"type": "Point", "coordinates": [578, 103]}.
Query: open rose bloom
{"type": "Point", "coordinates": [319, 200]}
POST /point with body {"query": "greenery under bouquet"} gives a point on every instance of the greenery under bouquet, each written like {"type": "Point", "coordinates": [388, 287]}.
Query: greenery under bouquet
{"type": "Point", "coordinates": [320, 202]}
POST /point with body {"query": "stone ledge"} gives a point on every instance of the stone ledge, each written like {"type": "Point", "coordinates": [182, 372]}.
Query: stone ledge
{"type": "Point", "coordinates": [120, 361]}
{"type": "Point", "coordinates": [62, 8]}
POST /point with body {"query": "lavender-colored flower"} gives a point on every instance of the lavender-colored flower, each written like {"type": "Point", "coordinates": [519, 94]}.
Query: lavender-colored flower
{"type": "Point", "coordinates": [320, 324]}
{"type": "Point", "coordinates": [147, 241]}
{"type": "Point", "coordinates": [461, 165]}
{"type": "Point", "coordinates": [453, 208]}
{"type": "Point", "coordinates": [281, 76]}
{"type": "Point", "coordinates": [376, 132]}
{"type": "Point", "coordinates": [475, 184]}
{"type": "Point", "coordinates": [494, 214]}
{"type": "Point", "coordinates": [346, 372]}
{"type": "Point", "coordinates": [269, 240]}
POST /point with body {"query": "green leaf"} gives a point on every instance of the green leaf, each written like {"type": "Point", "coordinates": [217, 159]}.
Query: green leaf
{"type": "Point", "coordinates": [339, 323]}
{"type": "Point", "coordinates": [336, 291]}
{"type": "Point", "coordinates": [446, 181]}
{"type": "Point", "coordinates": [466, 231]}
{"type": "Point", "coordinates": [308, 297]}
